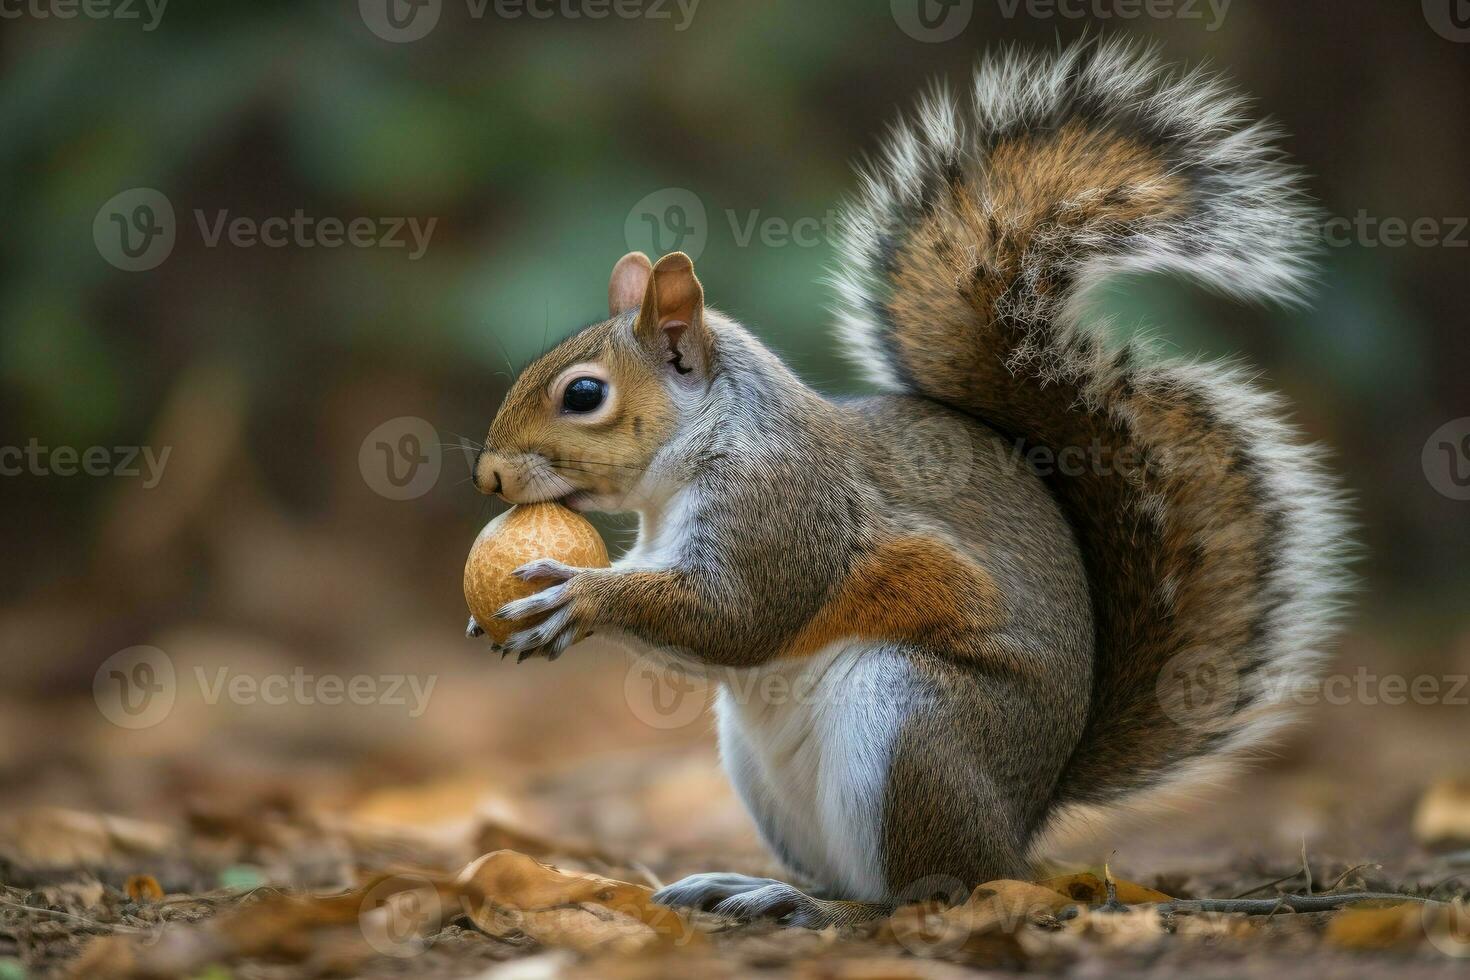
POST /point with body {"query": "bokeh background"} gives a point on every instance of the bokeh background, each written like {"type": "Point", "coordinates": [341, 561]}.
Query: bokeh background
{"type": "Point", "coordinates": [273, 544]}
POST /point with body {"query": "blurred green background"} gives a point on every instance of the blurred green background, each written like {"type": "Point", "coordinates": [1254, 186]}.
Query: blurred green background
{"type": "Point", "coordinates": [533, 141]}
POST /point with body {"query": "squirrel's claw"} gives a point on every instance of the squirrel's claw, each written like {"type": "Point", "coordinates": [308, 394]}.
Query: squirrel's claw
{"type": "Point", "coordinates": [544, 601]}
{"type": "Point", "coordinates": [550, 637]}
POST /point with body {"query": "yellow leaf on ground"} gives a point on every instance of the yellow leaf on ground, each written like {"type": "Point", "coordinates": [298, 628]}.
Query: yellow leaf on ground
{"type": "Point", "coordinates": [1443, 814]}
{"type": "Point", "coordinates": [1377, 928]}
{"type": "Point", "coordinates": [1404, 926]}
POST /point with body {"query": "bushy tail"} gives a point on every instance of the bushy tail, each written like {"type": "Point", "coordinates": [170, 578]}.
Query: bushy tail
{"type": "Point", "coordinates": [1213, 538]}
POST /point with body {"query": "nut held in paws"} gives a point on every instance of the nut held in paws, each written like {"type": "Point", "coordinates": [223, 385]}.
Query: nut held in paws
{"type": "Point", "coordinates": [520, 535]}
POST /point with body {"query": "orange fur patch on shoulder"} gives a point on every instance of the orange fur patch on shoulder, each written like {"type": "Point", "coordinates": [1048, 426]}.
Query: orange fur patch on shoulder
{"type": "Point", "coordinates": [912, 588]}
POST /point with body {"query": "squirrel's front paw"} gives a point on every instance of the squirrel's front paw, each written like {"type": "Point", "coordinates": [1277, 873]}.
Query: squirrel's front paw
{"type": "Point", "coordinates": [565, 606]}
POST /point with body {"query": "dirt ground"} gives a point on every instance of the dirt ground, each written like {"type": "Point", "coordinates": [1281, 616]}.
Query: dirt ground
{"type": "Point", "coordinates": [186, 846]}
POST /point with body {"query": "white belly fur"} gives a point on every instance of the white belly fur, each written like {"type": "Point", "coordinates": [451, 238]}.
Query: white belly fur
{"type": "Point", "coordinates": [807, 744]}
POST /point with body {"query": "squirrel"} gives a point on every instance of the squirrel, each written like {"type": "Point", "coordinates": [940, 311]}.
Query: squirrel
{"type": "Point", "coordinates": [1039, 572]}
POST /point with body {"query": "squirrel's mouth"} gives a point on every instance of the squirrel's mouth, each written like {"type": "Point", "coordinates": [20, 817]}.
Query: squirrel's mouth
{"type": "Point", "coordinates": [576, 500]}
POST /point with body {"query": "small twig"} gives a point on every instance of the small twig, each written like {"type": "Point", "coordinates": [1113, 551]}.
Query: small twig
{"type": "Point", "coordinates": [1343, 877]}
{"type": "Point", "coordinates": [1269, 884]}
{"type": "Point", "coordinates": [1295, 903]}
{"type": "Point", "coordinates": [1306, 866]}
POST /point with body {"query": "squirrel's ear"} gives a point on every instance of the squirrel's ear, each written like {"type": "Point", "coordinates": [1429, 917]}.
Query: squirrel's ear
{"type": "Point", "coordinates": [629, 283]}
{"type": "Point", "coordinates": [671, 321]}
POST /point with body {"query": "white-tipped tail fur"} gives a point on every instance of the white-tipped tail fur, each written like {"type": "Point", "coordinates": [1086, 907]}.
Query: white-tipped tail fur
{"type": "Point", "coordinates": [1217, 554]}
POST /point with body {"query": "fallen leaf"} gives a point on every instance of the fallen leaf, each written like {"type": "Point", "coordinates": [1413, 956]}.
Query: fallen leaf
{"type": "Point", "coordinates": [1404, 926]}
{"type": "Point", "coordinates": [1443, 815]}
{"type": "Point", "coordinates": [392, 915]}
{"type": "Point", "coordinates": [507, 891]}
{"type": "Point", "coordinates": [1377, 928]}
{"type": "Point", "coordinates": [1088, 889]}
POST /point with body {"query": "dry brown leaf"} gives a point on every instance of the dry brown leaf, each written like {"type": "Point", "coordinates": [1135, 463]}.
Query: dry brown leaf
{"type": "Point", "coordinates": [53, 837]}
{"type": "Point", "coordinates": [1089, 889]}
{"type": "Point", "coordinates": [143, 888]}
{"type": "Point", "coordinates": [508, 891]}
{"type": "Point", "coordinates": [1443, 815]}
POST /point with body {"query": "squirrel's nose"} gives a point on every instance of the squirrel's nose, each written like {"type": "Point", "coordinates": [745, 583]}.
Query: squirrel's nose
{"type": "Point", "coordinates": [487, 473]}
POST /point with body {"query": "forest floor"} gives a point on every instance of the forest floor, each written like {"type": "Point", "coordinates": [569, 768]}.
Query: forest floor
{"type": "Point", "coordinates": [238, 839]}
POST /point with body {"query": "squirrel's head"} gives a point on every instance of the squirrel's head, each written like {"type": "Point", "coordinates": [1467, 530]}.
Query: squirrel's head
{"type": "Point", "coordinates": [583, 423]}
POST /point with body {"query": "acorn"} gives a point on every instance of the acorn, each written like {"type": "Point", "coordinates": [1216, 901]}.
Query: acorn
{"type": "Point", "coordinates": [520, 535]}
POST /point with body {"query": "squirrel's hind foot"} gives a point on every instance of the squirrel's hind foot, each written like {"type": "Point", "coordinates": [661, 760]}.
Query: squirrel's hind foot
{"type": "Point", "coordinates": [743, 897]}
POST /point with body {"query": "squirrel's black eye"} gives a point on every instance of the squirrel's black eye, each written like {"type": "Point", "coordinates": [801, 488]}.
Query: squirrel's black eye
{"type": "Point", "coordinates": [584, 395]}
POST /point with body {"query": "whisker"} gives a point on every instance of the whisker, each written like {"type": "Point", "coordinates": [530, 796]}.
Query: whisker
{"type": "Point", "coordinates": [594, 462]}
